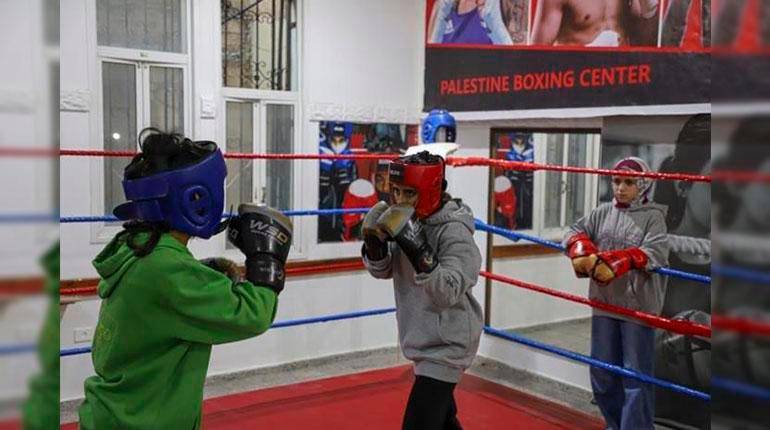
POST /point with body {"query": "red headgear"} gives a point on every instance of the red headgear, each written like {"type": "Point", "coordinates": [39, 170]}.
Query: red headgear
{"type": "Point", "coordinates": [425, 173]}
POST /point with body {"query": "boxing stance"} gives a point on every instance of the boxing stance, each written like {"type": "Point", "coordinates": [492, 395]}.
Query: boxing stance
{"type": "Point", "coordinates": [423, 240]}
{"type": "Point", "coordinates": [617, 245]}
{"type": "Point", "coordinates": [162, 309]}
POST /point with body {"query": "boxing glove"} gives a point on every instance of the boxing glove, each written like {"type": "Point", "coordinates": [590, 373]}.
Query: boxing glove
{"type": "Point", "coordinates": [264, 235]}
{"type": "Point", "coordinates": [223, 266]}
{"type": "Point", "coordinates": [399, 223]}
{"type": "Point", "coordinates": [375, 245]}
{"type": "Point", "coordinates": [582, 251]}
{"type": "Point", "coordinates": [614, 264]}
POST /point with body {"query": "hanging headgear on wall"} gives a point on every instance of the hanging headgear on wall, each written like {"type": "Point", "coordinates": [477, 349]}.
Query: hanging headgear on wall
{"type": "Point", "coordinates": [438, 121]}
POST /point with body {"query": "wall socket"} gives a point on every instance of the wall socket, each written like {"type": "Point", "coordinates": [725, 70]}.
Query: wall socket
{"type": "Point", "coordinates": [83, 334]}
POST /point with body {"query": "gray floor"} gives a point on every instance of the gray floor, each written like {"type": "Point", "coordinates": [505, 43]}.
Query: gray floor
{"type": "Point", "coordinates": [574, 335]}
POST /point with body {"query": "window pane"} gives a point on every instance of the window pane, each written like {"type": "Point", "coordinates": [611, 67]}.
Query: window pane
{"type": "Point", "coordinates": [280, 140]}
{"type": "Point", "coordinates": [240, 138]}
{"type": "Point", "coordinates": [157, 25]}
{"type": "Point", "coordinates": [119, 110]}
{"type": "Point", "coordinates": [167, 99]}
{"type": "Point", "coordinates": [259, 44]}
{"type": "Point", "coordinates": [553, 181]}
{"type": "Point", "coordinates": [577, 153]}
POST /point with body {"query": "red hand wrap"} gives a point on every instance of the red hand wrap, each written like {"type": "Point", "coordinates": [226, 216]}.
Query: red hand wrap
{"type": "Point", "coordinates": [580, 245]}
{"type": "Point", "coordinates": [622, 260]}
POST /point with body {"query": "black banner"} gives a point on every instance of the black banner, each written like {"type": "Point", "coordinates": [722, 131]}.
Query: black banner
{"type": "Point", "coordinates": [472, 79]}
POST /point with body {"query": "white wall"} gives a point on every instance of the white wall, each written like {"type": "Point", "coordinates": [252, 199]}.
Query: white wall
{"type": "Point", "coordinates": [368, 70]}
{"type": "Point", "coordinates": [357, 71]}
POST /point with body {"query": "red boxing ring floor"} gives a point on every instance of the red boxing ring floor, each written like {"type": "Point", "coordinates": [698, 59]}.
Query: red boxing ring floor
{"type": "Point", "coordinates": [376, 399]}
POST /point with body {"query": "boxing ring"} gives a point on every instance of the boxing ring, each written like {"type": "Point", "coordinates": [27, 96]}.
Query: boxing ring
{"type": "Point", "coordinates": [737, 326]}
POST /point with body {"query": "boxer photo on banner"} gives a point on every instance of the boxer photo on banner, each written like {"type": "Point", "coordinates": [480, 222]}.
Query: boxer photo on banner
{"type": "Point", "coordinates": [355, 183]}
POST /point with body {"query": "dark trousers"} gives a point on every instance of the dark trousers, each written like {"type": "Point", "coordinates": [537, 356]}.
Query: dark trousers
{"type": "Point", "coordinates": [431, 406]}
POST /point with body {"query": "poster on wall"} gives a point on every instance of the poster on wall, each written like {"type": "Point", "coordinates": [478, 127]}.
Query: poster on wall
{"type": "Point", "coordinates": [535, 54]}
{"type": "Point", "coordinates": [513, 189]}
{"type": "Point", "coordinates": [355, 183]}
{"type": "Point", "coordinates": [675, 144]}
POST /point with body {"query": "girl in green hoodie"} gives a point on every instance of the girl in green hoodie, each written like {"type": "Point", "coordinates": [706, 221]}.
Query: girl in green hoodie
{"type": "Point", "coordinates": [162, 309]}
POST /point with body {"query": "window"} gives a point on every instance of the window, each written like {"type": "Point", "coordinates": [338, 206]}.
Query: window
{"type": "Point", "coordinates": [143, 67]}
{"type": "Point", "coordinates": [260, 127]}
{"type": "Point", "coordinates": [261, 92]}
{"type": "Point", "coordinates": [543, 203]}
{"type": "Point", "coordinates": [259, 44]}
{"type": "Point", "coordinates": [154, 25]}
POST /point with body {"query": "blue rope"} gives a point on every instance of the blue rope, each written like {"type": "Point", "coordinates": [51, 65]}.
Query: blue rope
{"type": "Point", "coordinates": [311, 212]}
{"type": "Point", "coordinates": [683, 275]}
{"type": "Point", "coordinates": [742, 274]}
{"type": "Point", "coordinates": [515, 236]}
{"type": "Point", "coordinates": [622, 371]}
{"type": "Point", "coordinates": [22, 348]}
{"type": "Point", "coordinates": [741, 388]}
{"type": "Point", "coordinates": [279, 324]}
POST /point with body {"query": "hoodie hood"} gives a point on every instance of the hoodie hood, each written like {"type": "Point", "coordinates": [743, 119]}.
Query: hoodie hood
{"type": "Point", "coordinates": [117, 258]}
{"type": "Point", "coordinates": [649, 206]}
{"type": "Point", "coordinates": [454, 210]}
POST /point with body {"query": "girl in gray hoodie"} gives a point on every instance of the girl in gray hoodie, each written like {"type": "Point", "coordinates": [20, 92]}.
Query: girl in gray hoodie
{"type": "Point", "coordinates": [424, 242]}
{"type": "Point", "coordinates": [617, 245]}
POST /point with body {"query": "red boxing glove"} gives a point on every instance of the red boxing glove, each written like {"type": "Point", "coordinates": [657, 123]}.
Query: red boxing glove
{"type": "Point", "coordinates": [613, 264]}
{"type": "Point", "coordinates": [581, 251]}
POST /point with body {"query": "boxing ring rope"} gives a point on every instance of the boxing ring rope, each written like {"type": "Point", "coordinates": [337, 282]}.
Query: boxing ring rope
{"type": "Point", "coordinates": [680, 327]}
{"type": "Point", "coordinates": [515, 236]}
{"type": "Point", "coordinates": [279, 324]}
{"type": "Point", "coordinates": [452, 161]}
{"type": "Point", "coordinates": [574, 356]}
{"type": "Point", "coordinates": [677, 326]}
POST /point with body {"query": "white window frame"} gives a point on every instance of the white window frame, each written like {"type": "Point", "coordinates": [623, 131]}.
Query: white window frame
{"type": "Point", "coordinates": [259, 167]}
{"type": "Point", "coordinates": [539, 191]}
{"type": "Point", "coordinates": [259, 98]}
{"type": "Point", "coordinates": [102, 232]}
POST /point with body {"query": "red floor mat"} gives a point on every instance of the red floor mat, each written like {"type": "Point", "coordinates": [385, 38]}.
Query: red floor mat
{"type": "Point", "coordinates": [376, 400]}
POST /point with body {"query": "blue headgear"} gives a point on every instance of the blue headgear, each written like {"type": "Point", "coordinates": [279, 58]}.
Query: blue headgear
{"type": "Point", "coordinates": [436, 119]}
{"type": "Point", "coordinates": [339, 129]}
{"type": "Point", "coordinates": [190, 199]}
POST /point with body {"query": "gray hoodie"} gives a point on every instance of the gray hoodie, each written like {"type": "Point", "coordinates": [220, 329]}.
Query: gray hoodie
{"type": "Point", "coordinates": [439, 321]}
{"type": "Point", "coordinates": [640, 226]}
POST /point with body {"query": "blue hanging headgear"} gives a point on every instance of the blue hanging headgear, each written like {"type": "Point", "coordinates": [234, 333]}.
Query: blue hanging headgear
{"type": "Point", "coordinates": [339, 129]}
{"type": "Point", "coordinates": [189, 199]}
{"type": "Point", "coordinates": [437, 119]}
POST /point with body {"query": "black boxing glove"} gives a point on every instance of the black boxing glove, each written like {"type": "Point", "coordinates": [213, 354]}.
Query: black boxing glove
{"type": "Point", "coordinates": [263, 234]}
{"type": "Point", "coordinates": [375, 245]}
{"type": "Point", "coordinates": [223, 266]}
{"type": "Point", "coordinates": [400, 224]}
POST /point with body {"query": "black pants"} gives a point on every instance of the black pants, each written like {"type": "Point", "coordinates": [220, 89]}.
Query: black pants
{"type": "Point", "coordinates": [431, 406]}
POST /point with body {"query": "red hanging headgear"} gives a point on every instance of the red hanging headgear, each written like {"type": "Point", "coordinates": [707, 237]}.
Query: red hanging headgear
{"type": "Point", "coordinates": [425, 173]}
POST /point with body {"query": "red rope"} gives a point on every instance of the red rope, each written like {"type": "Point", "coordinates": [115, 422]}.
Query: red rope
{"type": "Point", "coordinates": [453, 161]}
{"type": "Point", "coordinates": [676, 326]}
{"type": "Point", "coordinates": [293, 271]}
{"type": "Point", "coordinates": [740, 325]}
{"type": "Point", "coordinates": [522, 166]}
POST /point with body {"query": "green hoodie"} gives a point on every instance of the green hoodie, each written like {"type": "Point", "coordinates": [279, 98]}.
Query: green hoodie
{"type": "Point", "coordinates": [159, 316]}
{"type": "Point", "coordinates": [41, 410]}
